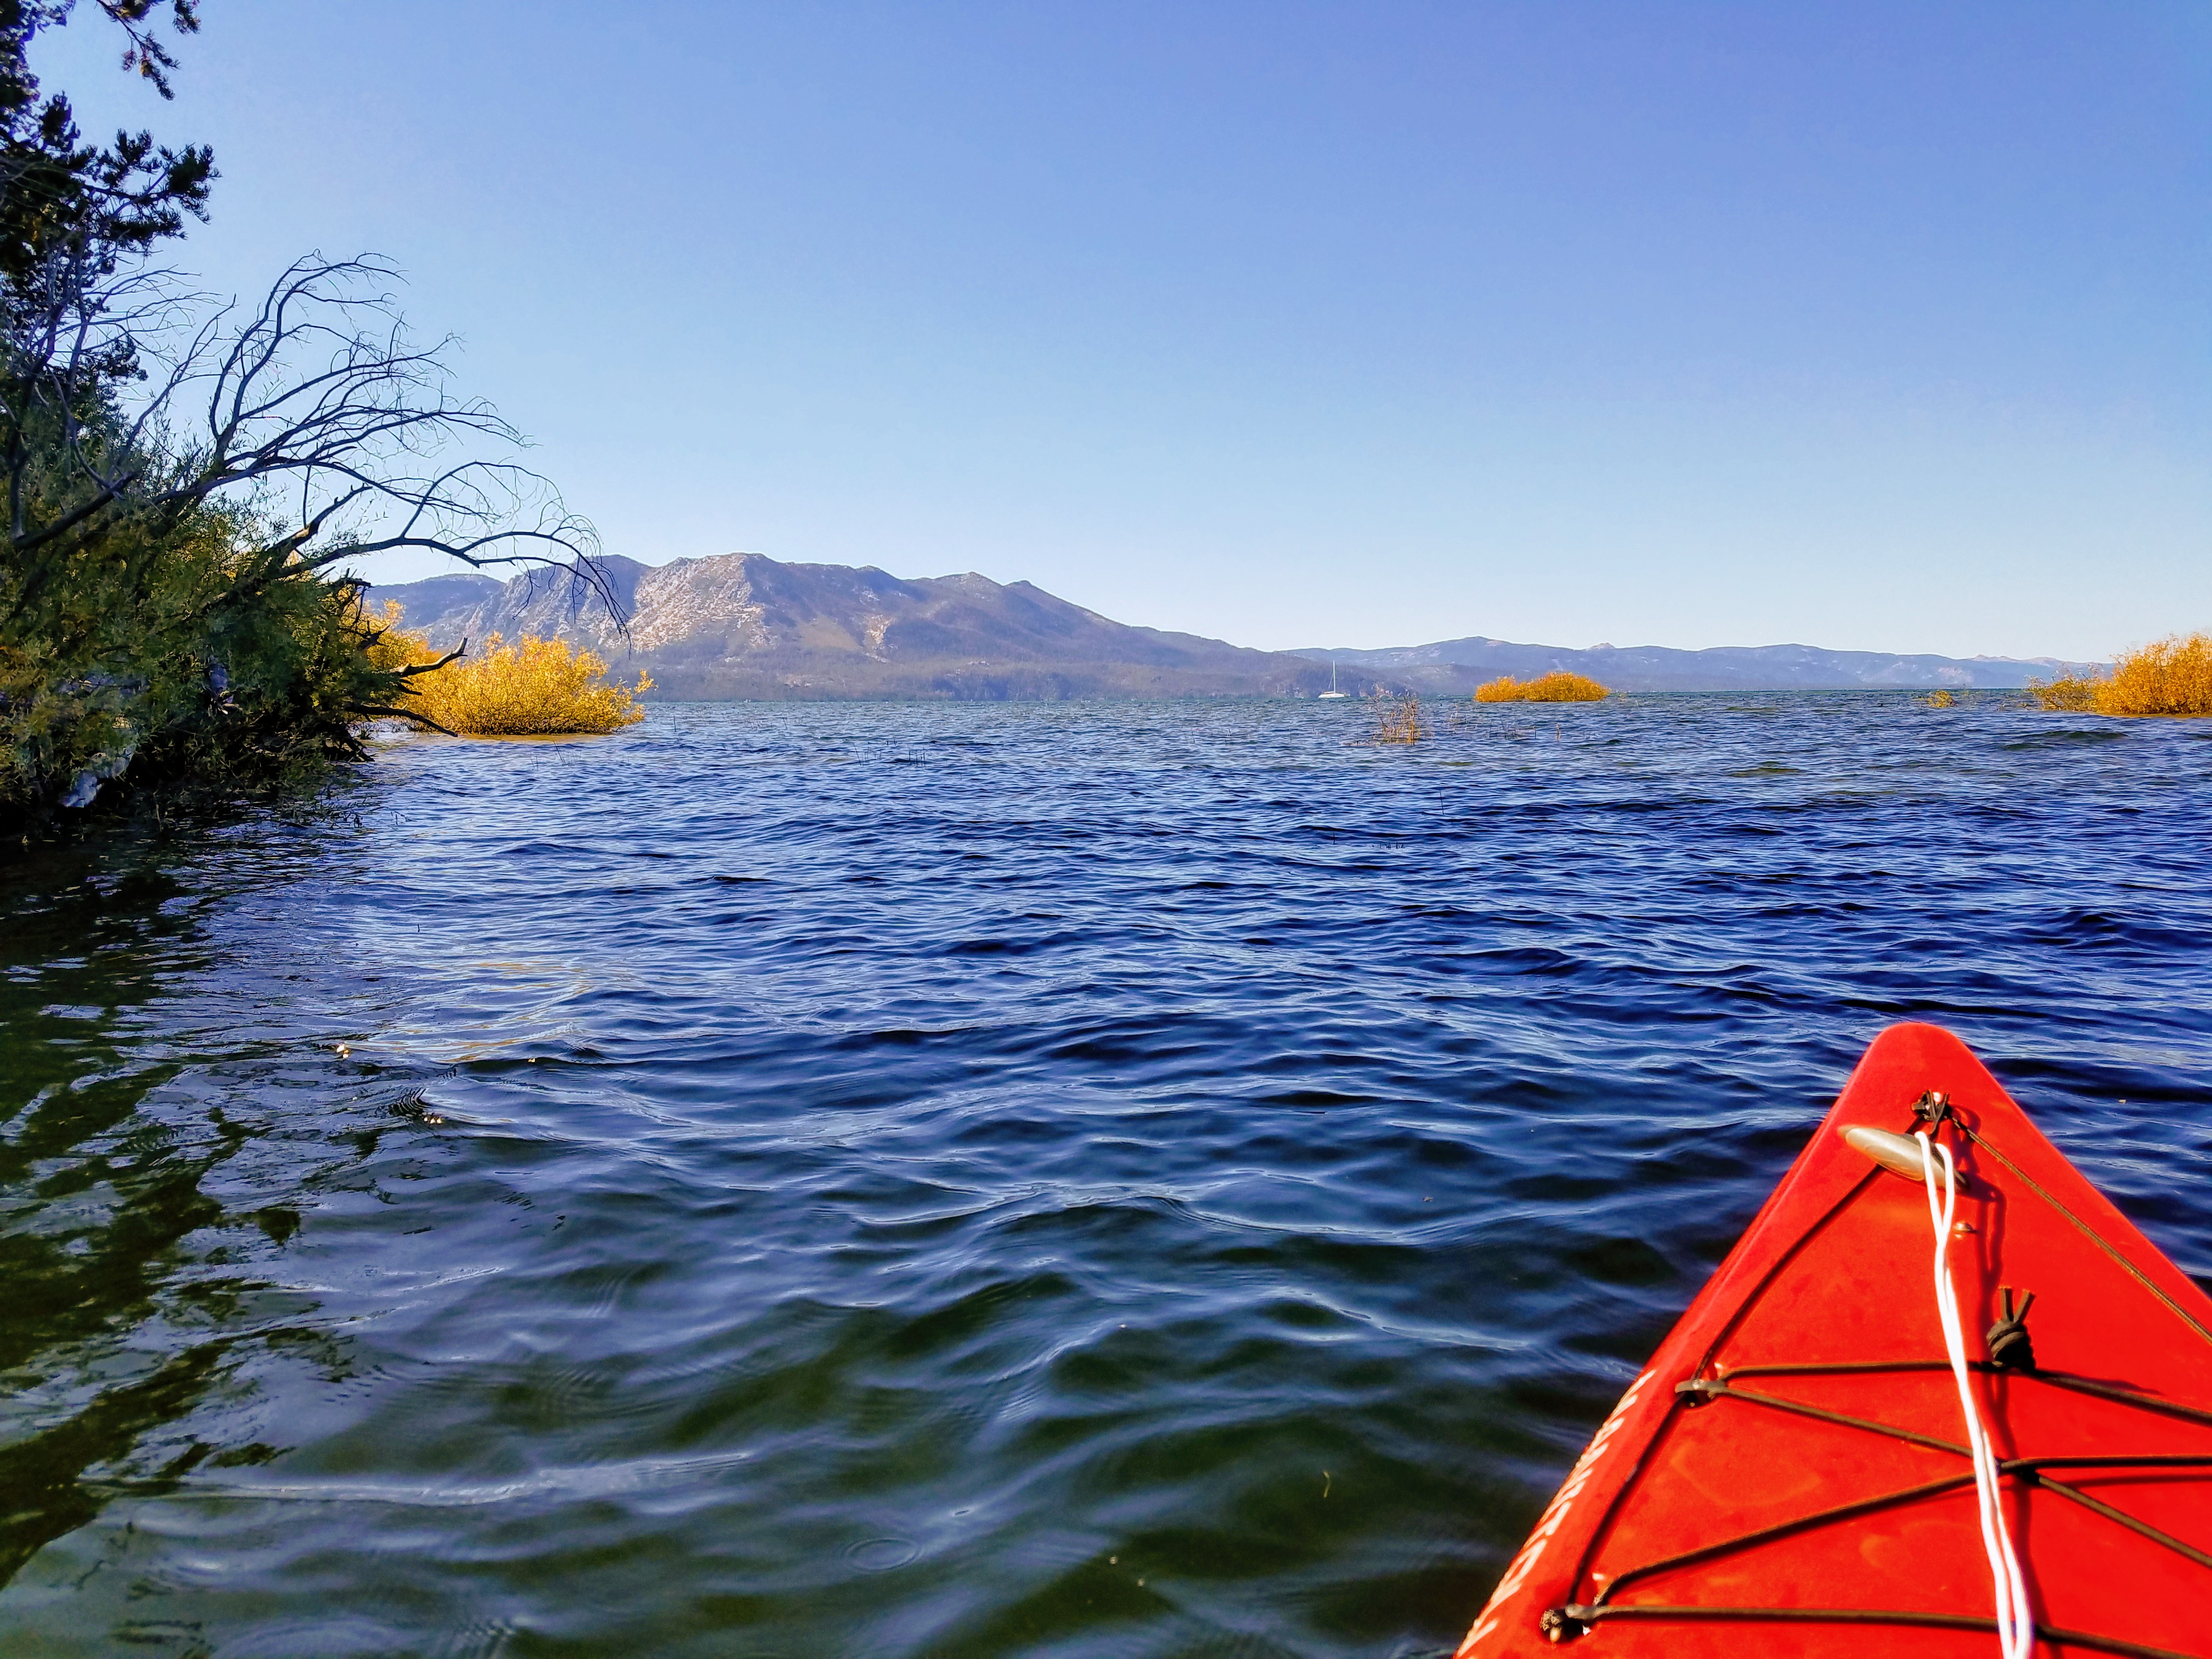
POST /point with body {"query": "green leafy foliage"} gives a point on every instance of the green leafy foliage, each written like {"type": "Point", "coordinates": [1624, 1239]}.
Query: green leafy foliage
{"type": "Point", "coordinates": [160, 656]}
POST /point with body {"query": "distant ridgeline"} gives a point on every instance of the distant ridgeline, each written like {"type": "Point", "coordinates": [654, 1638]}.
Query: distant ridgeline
{"type": "Point", "coordinates": [740, 625]}
{"type": "Point", "coordinates": [1458, 667]}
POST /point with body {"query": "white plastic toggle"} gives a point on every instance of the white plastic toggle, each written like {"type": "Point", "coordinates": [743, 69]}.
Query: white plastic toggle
{"type": "Point", "coordinates": [1899, 1154]}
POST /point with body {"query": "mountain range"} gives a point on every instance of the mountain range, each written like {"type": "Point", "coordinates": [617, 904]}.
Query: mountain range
{"type": "Point", "coordinates": [741, 625]}
{"type": "Point", "coordinates": [744, 626]}
{"type": "Point", "coordinates": [1457, 666]}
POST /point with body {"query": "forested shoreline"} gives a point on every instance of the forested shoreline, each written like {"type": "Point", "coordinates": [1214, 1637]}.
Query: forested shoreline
{"type": "Point", "coordinates": [187, 481]}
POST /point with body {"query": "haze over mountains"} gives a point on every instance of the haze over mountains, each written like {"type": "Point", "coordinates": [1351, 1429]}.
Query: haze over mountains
{"type": "Point", "coordinates": [741, 625]}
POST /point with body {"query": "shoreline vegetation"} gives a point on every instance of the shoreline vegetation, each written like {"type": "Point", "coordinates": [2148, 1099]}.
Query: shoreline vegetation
{"type": "Point", "coordinates": [2170, 678]}
{"type": "Point", "coordinates": [535, 688]}
{"type": "Point", "coordinates": [189, 486]}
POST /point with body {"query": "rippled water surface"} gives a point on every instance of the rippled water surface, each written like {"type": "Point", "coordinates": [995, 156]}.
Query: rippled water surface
{"type": "Point", "coordinates": [1110, 1179]}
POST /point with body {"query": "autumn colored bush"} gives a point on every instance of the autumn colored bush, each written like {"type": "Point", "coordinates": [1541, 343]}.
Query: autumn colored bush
{"type": "Point", "coordinates": [1556, 687]}
{"type": "Point", "coordinates": [535, 688]}
{"type": "Point", "coordinates": [2067, 693]}
{"type": "Point", "coordinates": [2171, 677]}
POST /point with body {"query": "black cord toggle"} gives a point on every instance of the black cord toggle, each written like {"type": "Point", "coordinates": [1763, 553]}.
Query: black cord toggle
{"type": "Point", "coordinates": [1932, 1108]}
{"type": "Point", "coordinates": [2009, 1343]}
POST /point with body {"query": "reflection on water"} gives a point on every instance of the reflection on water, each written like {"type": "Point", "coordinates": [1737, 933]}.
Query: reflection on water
{"type": "Point", "coordinates": [1103, 1179]}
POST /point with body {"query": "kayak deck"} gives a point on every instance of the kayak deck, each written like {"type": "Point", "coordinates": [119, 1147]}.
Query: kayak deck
{"type": "Point", "coordinates": [1790, 1475]}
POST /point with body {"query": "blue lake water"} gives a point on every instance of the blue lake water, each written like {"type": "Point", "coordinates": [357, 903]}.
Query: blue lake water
{"type": "Point", "coordinates": [1067, 1180]}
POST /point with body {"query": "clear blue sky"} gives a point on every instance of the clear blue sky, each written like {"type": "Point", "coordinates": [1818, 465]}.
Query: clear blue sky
{"type": "Point", "coordinates": [1870, 325]}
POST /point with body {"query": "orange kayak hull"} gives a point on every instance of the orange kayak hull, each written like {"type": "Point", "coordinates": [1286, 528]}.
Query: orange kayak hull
{"type": "Point", "coordinates": [1787, 1476]}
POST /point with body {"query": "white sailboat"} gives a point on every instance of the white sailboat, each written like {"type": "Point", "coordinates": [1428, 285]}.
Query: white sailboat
{"type": "Point", "coordinates": [1333, 691]}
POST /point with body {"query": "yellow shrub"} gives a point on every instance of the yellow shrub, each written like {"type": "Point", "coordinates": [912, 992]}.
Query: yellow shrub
{"type": "Point", "coordinates": [534, 688]}
{"type": "Point", "coordinates": [1557, 686]}
{"type": "Point", "coordinates": [2066, 693]}
{"type": "Point", "coordinates": [2171, 676]}
{"type": "Point", "coordinates": [1398, 719]}
{"type": "Point", "coordinates": [1940, 700]}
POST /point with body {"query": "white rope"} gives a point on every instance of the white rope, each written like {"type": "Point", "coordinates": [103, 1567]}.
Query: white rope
{"type": "Point", "coordinates": [2015, 1621]}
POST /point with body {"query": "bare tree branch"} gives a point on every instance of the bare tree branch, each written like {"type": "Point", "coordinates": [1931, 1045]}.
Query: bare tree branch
{"type": "Point", "coordinates": [454, 655]}
{"type": "Point", "coordinates": [315, 403]}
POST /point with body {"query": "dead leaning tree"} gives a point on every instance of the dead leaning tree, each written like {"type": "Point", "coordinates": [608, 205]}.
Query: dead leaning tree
{"type": "Point", "coordinates": [316, 405]}
{"type": "Point", "coordinates": [350, 440]}
{"type": "Point", "coordinates": [311, 426]}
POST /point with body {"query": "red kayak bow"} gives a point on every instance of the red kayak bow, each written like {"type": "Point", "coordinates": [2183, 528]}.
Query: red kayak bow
{"type": "Point", "coordinates": [1795, 1473]}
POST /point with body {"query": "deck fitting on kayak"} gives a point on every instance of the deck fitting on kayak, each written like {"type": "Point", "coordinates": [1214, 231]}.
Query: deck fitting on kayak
{"type": "Point", "coordinates": [1932, 1108]}
{"type": "Point", "coordinates": [1562, 1624]}
{"type": "Point", "coordinates": [2007, 1339]}
{"type": "Point", "coordinates": [1700, 1391]}
{"type": "Point", "coordinates": [1899, 1154]}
